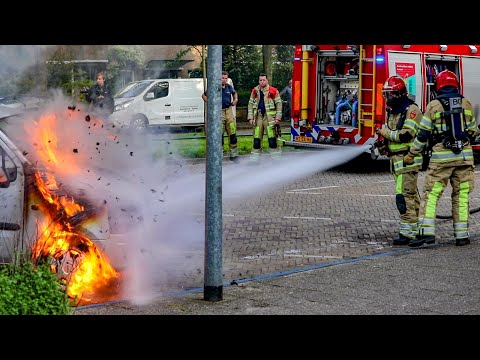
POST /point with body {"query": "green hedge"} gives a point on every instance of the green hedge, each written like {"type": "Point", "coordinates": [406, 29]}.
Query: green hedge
{"type": "Point", "coordinates": [243, 96]}
{"type": "Point", "coordinates": [26, 289]}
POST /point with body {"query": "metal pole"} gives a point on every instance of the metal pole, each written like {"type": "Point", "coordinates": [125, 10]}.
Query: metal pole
{"type": "Point", "coordinates": [213, 286]}
{"type": "Point", "coordinates": [73, 81]}
{"type": "Point", "coordinates": [204, 70]}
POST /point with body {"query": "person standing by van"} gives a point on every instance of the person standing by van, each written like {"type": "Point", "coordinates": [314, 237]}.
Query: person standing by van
{"type": "Point", "coordinates": [100, 96]}
{"type": "Point", "coordinates": [229, 99]}
{"type": "Point", "coordinates": [234, 108]}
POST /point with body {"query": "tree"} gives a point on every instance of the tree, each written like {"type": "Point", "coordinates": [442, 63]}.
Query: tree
{"type": "Point", "coordinates": [120, 59]}
{"type": "Point", "coordinates": [60, 67]}
{"type": "Point", "coordinates": [282, 66]}
{"type": "Point", "coordinates": [267, 61]}
{"type": "Point", "coordinates": [245, 62]}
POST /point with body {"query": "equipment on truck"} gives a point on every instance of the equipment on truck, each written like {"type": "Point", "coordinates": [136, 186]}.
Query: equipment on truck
{"type": "Point", "coordinates": [357, 73]}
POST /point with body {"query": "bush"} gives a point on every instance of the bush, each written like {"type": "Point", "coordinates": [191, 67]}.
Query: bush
{"type": "Point", "coordinates": [26, 289]}
{"type": "Point", "coordinates": [243, 97]}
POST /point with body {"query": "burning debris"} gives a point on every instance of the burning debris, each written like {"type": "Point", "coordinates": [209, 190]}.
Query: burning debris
{"type": "Point", "coordinates": [73, 256]}
{"type": "Point", "coordinates": [64, 238]}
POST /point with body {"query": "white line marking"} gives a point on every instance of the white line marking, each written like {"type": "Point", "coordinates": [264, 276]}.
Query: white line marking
{"type": "Point", "coordinates": [306, 218]}
{"type": "Point", "coordinates": [381, 195]}
{"type": "Point", "coordinates": [314, 256]}
{"type": "Point", "coordinates": [304, 193]}
{"type": "Point", "coordinates": [317, 188]}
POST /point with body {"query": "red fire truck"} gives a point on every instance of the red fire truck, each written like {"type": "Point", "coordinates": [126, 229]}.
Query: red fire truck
{"type": "Point", "coordinates": [337, 89]}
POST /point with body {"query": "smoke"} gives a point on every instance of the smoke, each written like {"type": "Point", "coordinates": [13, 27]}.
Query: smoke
{"type": "Point", "coordinates": [16, 59]}
{"type": "Point", "coordinates": [21, 61]}
{"type": "Point", "coordinates": [173, 234]}
{"type": "Point", "coordinates": [153, 214]}
{"type": "Point", "coordinates": [156, 206]}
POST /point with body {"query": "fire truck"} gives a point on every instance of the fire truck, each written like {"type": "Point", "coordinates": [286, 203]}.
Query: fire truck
{"type": "Point", "coordinates": [337, 89]}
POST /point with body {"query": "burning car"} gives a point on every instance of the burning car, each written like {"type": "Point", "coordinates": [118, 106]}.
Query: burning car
{"type": "Point", "coordinates": [43, 218]}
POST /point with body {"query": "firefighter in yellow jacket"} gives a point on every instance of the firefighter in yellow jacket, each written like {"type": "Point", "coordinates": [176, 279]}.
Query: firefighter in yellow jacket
{"type": "Point", "coordinates": [403, 117]}
{"type": "Point", "coordinates": [448, 124]}
{"type": "Point", "coordinates": [264, 113]}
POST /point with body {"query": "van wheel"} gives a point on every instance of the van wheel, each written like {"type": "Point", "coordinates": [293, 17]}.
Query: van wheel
{"type": "Point", "coordinates": [139, 122]}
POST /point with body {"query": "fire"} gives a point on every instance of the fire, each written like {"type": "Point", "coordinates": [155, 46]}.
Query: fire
{"type": "Point", "coordinates": [49, 152]}
{"type": "Point", "coordinates": [73, 256]}
{"type": "Point", "coordinates": [75, 259]}
{"type": "Point", "coordinates": [45, 187]}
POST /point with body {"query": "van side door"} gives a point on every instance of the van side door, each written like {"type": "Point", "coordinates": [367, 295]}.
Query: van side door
{"type": "Point", "coordinates": [12, 203]}
{"type": "Point", "coordinates": [159, 103]}
{"type": "Point", "coordinates": [189, 105]}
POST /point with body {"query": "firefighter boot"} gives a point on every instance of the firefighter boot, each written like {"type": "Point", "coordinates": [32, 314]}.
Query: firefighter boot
{"type": "Point", "coordinates": [462, 241]}
{"type": "Point", "coordinates": [402, 240]}
{"type": "Point", "coordinates": [422, 239]}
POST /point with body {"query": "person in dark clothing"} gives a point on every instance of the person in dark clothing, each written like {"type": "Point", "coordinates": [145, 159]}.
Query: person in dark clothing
{"type": "Point", "coordinates": [229, 125]}
{"type": "Point", "coordinates": [100, 96]}
{"type": "Point", "coordinates": [286, 95]}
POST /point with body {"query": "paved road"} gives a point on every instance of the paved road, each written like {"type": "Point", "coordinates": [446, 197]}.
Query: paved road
{"type": "Point", "coordinates": [317, 244]}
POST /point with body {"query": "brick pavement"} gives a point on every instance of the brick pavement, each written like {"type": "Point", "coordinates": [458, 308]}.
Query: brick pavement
{"type": "Point", "coordinates": [344, 213]}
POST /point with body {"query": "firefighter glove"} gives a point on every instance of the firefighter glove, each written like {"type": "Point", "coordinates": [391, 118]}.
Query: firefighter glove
{"type": "Point", "coordinates": [277, 130]}
{"type": "Point", "coordinates": [409, 159]}
{"type": "Point", "coordinates": [382, 132]}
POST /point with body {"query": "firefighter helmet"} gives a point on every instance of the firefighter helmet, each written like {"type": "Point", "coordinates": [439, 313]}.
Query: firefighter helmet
{"type": "Point", "coordinates": [395, 83]}
{"type": "Point", "coordinates": [445, 78]}
{"type": "Point", "coordinates": [394, 90]}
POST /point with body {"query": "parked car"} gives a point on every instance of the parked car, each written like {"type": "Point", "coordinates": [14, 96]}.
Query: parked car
{"type": "Point", "coordinates": [24, 102]}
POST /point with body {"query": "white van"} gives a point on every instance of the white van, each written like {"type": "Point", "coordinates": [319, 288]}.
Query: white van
{"type": "Point", "coordinates": [158, 102]}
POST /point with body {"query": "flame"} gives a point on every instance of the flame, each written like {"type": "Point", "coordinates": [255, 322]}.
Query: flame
{"type": "Point", "coordinates": [73, 256]}
{"type": "Point", "coordinates": [47, 146]}
{"type": "Point", "coordinates": [62, 202]}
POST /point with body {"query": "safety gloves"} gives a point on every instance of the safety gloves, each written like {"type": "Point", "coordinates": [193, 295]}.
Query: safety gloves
{"type": "Point", "coordinates": [409, 159]}
{"type": "Point", "coordinates": [382, 132]}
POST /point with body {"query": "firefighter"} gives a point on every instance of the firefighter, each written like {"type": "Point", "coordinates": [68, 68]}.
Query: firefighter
{"type": "Point", "coordinates": [264, 113]}
{"type": "Point", "coordinates": [447, 125]}
{"type": "Point", "coordinates": [403, 117]}
{"type": "Point", "coordinates": [229, 125]}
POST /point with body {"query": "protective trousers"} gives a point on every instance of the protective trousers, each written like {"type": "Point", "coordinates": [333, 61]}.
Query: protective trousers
{"type": "Point", "coordinates": [229, 126]}
{"type": "Point", "coordinates": [462, 180]}
{"type": "Point", "coordinates": [264, 123]}
{"type": "Point", "coordinates": [408, 202]}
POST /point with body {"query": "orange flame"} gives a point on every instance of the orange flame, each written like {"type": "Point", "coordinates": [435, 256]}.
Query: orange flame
{"type": "Point", "coordinates": [74, 257]}
{"type": "Point", "coordinates": [77, 260]}
{"type": "Point", "coordinates": [62, 202]}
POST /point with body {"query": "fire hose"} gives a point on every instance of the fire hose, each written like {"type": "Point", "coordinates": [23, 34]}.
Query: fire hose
{"type": "Point", "coordinates": [473, 211]}
{"type": "Point", "coordinates": [380, 145]}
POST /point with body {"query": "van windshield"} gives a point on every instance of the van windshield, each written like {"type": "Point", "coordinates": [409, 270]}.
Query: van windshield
{"type": "Point", "coordinates": [133, 89]}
